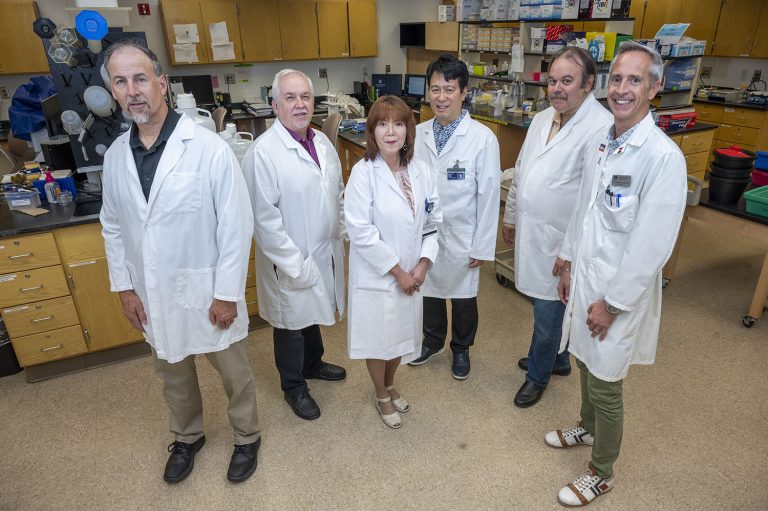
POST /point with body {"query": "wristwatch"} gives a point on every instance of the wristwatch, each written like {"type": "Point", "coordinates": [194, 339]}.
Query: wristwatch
{"type": "Point", "coordinates": [610, 308]}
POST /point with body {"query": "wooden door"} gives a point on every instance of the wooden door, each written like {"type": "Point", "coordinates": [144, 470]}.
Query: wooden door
{"type": "Point", "coordinates": [22, 50]}
{"type": "Point", "coordinates": [363, 37]}
{"type": "Point", "coordinates": [736, 28]}
{"type": "Point", "coordinates": [703, 16]}
{"type": "Point", "coordinates": [100, 311]}
{"type": "Point", "coordinates": [760, 44]}
{"type": "Point", "coordinates": [333, 28]}
{"type": "Point", "coordinates": [260, 31]}
{"type": "Point", "coordinates": [184, 12]}
{"type": "Point", "coordinates": [298, 29]}
{"type": "Point", "coordinates": [657, 13]}
{"type": "Point", "coordinates": [222, 11]}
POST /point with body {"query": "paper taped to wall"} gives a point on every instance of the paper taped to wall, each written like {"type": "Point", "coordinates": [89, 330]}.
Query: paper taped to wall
{"type": "Point", "coordinates": [186, 33]}
{"type": "Point", "coordinates": [185, 52]}
{"type": "Point", "coordinates": [219, 34]}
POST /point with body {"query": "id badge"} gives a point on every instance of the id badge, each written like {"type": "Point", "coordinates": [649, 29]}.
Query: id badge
{"type": "Point", "coordinates": [621, 180]}
{"type": "Point", "coordinates": [456, 173]}
{"type": "Point", "coordinates": [428, 206]}
{"type": "Point", "coordinates": [429, 230]}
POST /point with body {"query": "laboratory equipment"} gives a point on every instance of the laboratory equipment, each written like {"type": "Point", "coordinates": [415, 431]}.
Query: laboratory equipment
{"type": "Point", "coordinates": [72, 122]}
{"type": "Point", "coordinates": [99, 101]}
{"type": "Point", "coordinates": [186, 104]}
{"type": "Point", "coordinates": [387, 84]}
{"type": "Point", "coordinates": [734, 157]}
{"type": "Point", "coordinates": [93, 27]}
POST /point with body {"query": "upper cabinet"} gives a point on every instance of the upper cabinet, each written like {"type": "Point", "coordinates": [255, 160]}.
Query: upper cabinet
{"type": "Point", "coordinates": [22, 50]}
{"type": "Point", "coordinates": [261, 35]}
{"type": "Point", "coordinates": [298, 29]}
{"type": "Point", "coordinates": [363, 38]}
{"type": "Point", "coordinates": [183, 49]}
{"type": "Point", "coordinates": [702, 15]}
{"type": "Point", "coordinates": [737, 28]}
{"type": "Point", "coordinates": [332, 24]}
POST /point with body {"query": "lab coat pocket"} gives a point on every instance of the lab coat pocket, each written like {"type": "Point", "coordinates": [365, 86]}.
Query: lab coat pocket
{"type": "Point", "coordinates": [549, 239]}
{"type": "Point", "coordinates": [619, 216]}
{"type": "Point", "coordinates": [181, 192]}
{"type": "Point", "coordinates": [194, 287]}
{"type": "Point", "coordinates": [309, 276]}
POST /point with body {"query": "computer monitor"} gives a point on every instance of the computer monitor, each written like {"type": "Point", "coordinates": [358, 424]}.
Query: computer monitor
{"type": "Point", "coordinates": [199, 86]}
{"type": "Point", "coordinates": [415, 85]}
{"type": "Point", "coordinates": [388, 84]}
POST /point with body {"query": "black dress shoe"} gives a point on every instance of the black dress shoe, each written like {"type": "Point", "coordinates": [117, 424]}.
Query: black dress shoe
{"type": "Point", "coordinates": [243, 462]}
{"type": "Point", "coordinates": [182, 460]}
{"type": "Point", "coordinates": [460, 367]}
{"type": "Point", "coordinates": [303, 405]}
{"type": "Point", "coordinates": [523, 364]}
{"type": "Point", "coordinates": [328, 372]}
{"type": "Point", "coordinates": [426, 354]}
{"type": "Point", "coordinates": [528, 395]}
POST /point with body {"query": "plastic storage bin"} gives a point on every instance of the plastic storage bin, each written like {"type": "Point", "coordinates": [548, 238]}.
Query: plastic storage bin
{"type": "Point", "coordinates": [762, 160]}
{"type": "Point", "coordinates": [22, 199]}
{"type": "Point", "coordinates": [757, 201]}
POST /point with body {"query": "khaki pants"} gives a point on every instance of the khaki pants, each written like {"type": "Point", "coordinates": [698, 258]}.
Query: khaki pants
{"type": "Point", "coordinates": [182, 394]}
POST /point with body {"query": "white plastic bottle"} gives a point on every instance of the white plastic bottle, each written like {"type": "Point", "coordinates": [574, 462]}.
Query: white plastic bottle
{"type": "Point", "coordinates": [52, 189]}
{"type": "Point", "coordinates": [185, 104]}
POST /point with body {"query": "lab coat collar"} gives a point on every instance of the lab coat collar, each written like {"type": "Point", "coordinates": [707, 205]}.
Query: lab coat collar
{"type": "Point", "coordinates": [642, 131]}
{"type": "Point", "coordinates": [461, 130]}
{"type": "Point", "coordinates": [382, 170]}
{"type": "Point", "coordinates": [174, 148]}
{"type": "Point", "coordinates": [580, 116]}
{"type": "Point", "coordinates": [290, 143]}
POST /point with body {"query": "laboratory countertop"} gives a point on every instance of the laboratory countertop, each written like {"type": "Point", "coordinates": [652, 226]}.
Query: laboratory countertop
{"type": "Point", "coordinates": [13, 223]}
{"type": "Point", "coordinates": [739, 209]}
{"type": "Point", "coordinates": [751, 106]}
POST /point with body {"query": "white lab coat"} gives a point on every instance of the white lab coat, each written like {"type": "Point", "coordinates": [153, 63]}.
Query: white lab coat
{"type": "Point", "coordinates": [543, 193]}
{"type": "Point", "coordinates": [384, 322]}
{"type": "Point", "coordinates": [186, 245]}
{"type": "Point", "coordinates": [618, 251]}
{"type": "Point", "coordinates": [470, 205]}
{"type": "Point", "coordinates": [299, 229]}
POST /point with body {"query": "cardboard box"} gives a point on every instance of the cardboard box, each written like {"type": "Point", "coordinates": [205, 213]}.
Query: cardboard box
{"type": "Point", "coordinates": [600, 9]}
{"type": "Point", "coordinates": [446, 13]}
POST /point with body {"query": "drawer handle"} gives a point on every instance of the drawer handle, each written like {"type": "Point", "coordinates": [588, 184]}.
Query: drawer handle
{"type": "Point", "coordinates": [38, 320]}
{"type": "Point", "coordinates": [51, 348]}
{"type": "Point", "coordinates": [255, 301]}
{"type": "Point", "coordinates": [19, 256]}
{"type": "Point", "coordinates": [25, 289]}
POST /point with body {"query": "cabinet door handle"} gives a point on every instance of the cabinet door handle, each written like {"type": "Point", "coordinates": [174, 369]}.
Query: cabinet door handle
{"type": "Point", "coordinates": [71, 281]}
{"type": "Point", "coordinates": [25, 289]}
{"type": "Point", "coordinates": [87, 338]}
{"type": "Point", "coordinates": [38, 320]}
{"type": "Point", "coordinates": [19, 256]}
{"type": "Point", "coordinates": [51, 348]}
{"type": "Point", "coordinates": [248, 303]}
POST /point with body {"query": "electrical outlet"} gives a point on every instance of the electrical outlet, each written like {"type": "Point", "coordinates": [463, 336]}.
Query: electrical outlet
{"type": "Point", "coordinates": [4, 93]}
{"type": "Point", "coordinates": [757, 75]}
{"type": "Point", "coordinates": [387, 68]}
{"type": "Point", "coordinates": [229, 78]}
{"type": "Point", "coordinates": [706, 72]}
{"type": "Point", "coordinates": [744, 75]}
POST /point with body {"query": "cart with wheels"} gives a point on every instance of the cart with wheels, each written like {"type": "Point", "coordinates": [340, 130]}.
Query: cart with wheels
{"type": "Point", "coordinates": [504, 264]}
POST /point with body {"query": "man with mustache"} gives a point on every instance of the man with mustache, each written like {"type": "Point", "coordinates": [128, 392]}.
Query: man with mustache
{"type": "Point", "coordinates": [540, 202]}
{"type": "Point", "coordinates": [177, 225]}
{"type": "Point", "coordinates": [294, 178]}
{"type": "Point", "coordinates": [627, 218]}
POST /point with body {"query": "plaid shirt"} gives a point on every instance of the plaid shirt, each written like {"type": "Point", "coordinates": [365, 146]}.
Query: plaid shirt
{"type": "Point", "coordinates": [443, 133]}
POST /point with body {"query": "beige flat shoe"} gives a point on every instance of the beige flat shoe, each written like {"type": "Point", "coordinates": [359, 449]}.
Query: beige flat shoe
{"type": "Point", "coordinates": [401, 405]}
{"type": "Point", "coordinates": [390, 419]}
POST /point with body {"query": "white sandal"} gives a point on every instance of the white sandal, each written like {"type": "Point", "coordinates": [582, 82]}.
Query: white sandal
{"type": "Point", "coordinates": [391, 419]}
{"type": "Point", "coordinates": [401, 405]}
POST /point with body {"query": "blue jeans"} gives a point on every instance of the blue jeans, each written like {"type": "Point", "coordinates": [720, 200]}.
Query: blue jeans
{"type": "Point", "coordinates": [547, 330]}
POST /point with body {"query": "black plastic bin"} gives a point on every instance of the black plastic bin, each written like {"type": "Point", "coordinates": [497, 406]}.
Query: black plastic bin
{"type": "Point", "coordinates": [8, 363]}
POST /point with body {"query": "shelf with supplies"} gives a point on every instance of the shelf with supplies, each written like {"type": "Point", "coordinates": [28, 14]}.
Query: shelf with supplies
{"type": "Point", "coordinates": [508, 80]}
{"type": "Point", "coordinates": [553, 20]}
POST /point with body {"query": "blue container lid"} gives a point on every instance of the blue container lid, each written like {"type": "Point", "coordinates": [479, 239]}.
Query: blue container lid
{"type": "Point", "coordinates": [91, 25]}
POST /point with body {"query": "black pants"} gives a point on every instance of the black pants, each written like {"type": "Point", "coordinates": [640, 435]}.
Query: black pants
{"type": "Point", "coordinates": [297, 354]}
{"type": "Point", "coordinates": [464, 320]}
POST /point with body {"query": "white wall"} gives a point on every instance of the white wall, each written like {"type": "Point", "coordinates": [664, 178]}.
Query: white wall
{"type": "Point", "coordinates": [341, 72]}
{"type": "Point", "coordinates": [730, 72]}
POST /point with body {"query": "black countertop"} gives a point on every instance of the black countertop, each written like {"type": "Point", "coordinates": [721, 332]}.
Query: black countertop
{"type": "Point", "coordinates": [13, 223]}
{"type": "Point", "coordinates": [738, 209]}
{"type": "Point", "coordinates": [731, 104]}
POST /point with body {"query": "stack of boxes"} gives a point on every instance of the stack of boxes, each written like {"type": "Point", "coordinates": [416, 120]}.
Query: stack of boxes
{"type": "Point", "coordinates": [469, 37]}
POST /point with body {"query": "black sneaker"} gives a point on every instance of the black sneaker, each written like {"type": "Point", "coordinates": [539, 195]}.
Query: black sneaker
{"type": "Point", "coordinates": [243, 462]}
{"type": "Point", "coordinates": [182, 460]}
{"type": "Point", "coordinates": [460, 367]}
{"type": "Point", "coordinates": [426, 354]}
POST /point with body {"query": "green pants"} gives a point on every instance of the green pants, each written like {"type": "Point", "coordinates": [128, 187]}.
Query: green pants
{"type": "Point", "coordinates": [602, 414]}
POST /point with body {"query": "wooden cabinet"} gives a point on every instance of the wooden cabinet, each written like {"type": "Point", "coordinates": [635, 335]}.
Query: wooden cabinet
{"type": "Point", "coordinates": [49, 346]}
{"type": "Point", "coordinates": [260, 34]}
{"type": "Point", "coordinates": [702, 15]}
{"type": "Point", "coordinates": [22, 50]}
{"type": "Point", "coordinates": [333, 28]}
{"type": "Point", "coordinates": [737, 28]}
{"type": "Point", "coordinates": [745, 127]}
{"type": "Point", "coordinates": [201, 13]}
{"type": "Point", "coordinates": [363, 35]}
{"type": "Point", "coordinates": [696, 150]}
{"type": "Point", "coordinates": [27, 252]}
{"type": "Point", "coordinates": [441, 36]}
{"type": "Point", "coordinates": [760, 44]}
{"type": "Point", "coordinates": [657, 13]}
{"type": "Point", "coordinates": [298, 29]}
{"type": "Point", "coordinates": [41, 316]}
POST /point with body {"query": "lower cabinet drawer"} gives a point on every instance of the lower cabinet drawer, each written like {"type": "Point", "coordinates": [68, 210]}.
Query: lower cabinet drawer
{"type": "Point", "coordinates": [697, 142]}
{"type": "Point", "coordinates": [251, 302]}
{"type": "Point", "coordinates": [38, 317]}
{"type": "Point", "coordinates": [738, 134]}
{"type": "Point", "coordinates": [48, 346]}
{"type": "Point", "coordinates": [696, 162]}
{"type": "Point", "coordinates": [32, 286]}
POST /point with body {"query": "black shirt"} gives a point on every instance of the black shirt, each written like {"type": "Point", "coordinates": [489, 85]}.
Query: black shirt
{"type": "Point", "coordinates": [147, 159]}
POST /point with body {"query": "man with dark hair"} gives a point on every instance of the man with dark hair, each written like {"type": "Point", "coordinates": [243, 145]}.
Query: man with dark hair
{"type": "Point", "coordinates": [540, 202]}
{"type": "Point", "coordinates": [464, 158]}
{"type": "Point", "coordinates": [177, 225]}
{"type": "Point", "coordinates": [628, 213]}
